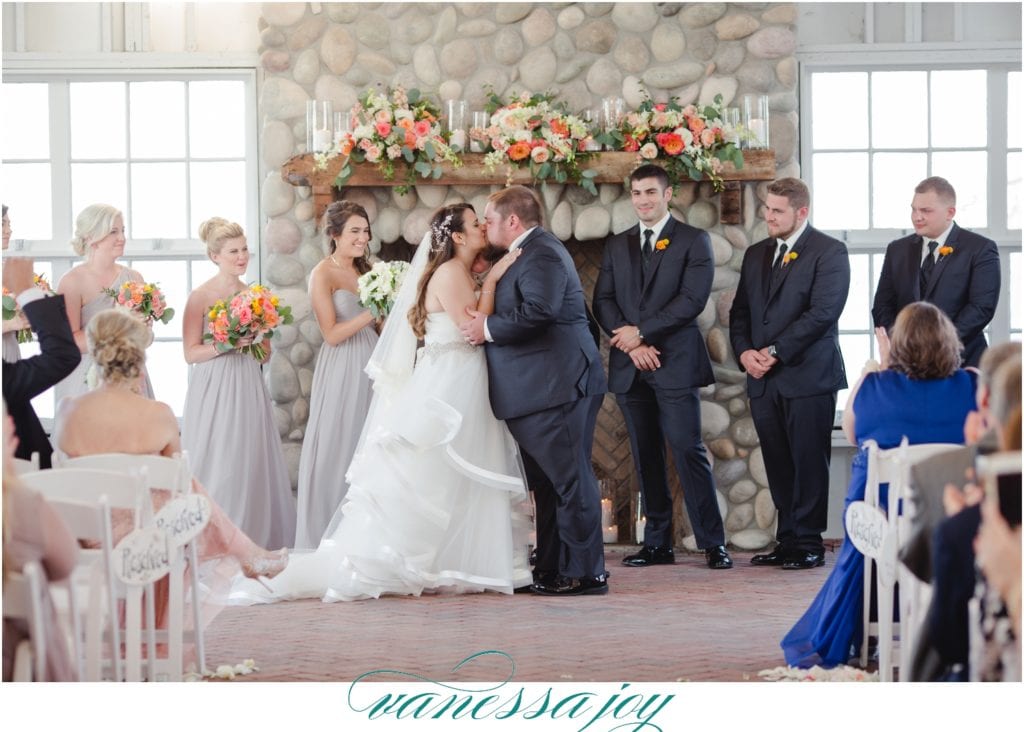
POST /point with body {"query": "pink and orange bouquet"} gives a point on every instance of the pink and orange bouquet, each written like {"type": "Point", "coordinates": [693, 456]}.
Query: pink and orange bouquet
{"type": "Point", "coordinates": [11, 309]}
{"type": "Point", "coordinates": [394, 126]}
{"type": "Point", "coordinates": [144, 299]}
{"type": "Point", "coordinates": [688, 142]}
{"type": "Point", "coordinates": [535, 131]}
{"type": "Point", "coordinates": [251, 315]}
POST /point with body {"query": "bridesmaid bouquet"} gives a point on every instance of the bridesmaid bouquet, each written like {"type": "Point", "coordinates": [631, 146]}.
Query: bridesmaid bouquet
{"type": "Point", "coordinates": [11, 309]}
{"type": "Point", "coordinates": [379, 287]}
{"type": "Point", "coordinates": [144, 298]}
{"type": "Point", "coordinates": [252, 313]}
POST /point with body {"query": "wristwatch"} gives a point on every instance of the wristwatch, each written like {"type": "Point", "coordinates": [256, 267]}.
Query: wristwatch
{"type": "Point", "coordinates": [772, 352]}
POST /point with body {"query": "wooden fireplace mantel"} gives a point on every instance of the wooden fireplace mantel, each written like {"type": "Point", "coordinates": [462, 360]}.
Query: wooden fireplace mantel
{"type": "Point", "coordinates": [611, 167]}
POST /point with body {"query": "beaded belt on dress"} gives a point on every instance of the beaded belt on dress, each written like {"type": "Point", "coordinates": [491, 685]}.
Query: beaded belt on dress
{"type": "Point", "coordinates": [435, 350]}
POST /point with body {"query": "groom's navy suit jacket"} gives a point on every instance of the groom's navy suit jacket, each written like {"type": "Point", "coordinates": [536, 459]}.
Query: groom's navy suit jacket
{"type": "Point", "coordinates": [543, 354]}
{"type": "Point", "coordinates": [663, 304]}
{"type": "Point", "coordinates": [963, 284]}
{"type": "Point", "coordinates": [797, 309]}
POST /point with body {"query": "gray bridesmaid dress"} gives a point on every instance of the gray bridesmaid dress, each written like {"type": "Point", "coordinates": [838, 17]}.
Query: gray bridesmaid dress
{"type": "Point", "coordinates": [338, 405]}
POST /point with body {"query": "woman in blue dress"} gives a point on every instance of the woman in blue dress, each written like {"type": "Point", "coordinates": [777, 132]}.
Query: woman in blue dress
{"type": "Point", "coordinates": [920, 392]}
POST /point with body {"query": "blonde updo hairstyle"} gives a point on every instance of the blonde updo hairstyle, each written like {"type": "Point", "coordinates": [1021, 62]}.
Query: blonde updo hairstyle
{"type": "Point", "coordinates": [117, 343]}
{"type": "Point", "coordinates": [92, 224]}
{"type": "Point", "coordinates": [214, 232]}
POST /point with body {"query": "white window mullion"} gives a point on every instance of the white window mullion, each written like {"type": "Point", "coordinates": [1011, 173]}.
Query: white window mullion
{"type": "Point", "coordinates": [62, 217]}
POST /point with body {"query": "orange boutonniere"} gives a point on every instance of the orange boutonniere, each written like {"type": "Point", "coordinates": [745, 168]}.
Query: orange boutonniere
{"type": "Point", "coordinates": [945, 251]}
{"type": "Point", "coordinates": [789, 258]}
{"type": "Point", "coordinates": [661, 244]}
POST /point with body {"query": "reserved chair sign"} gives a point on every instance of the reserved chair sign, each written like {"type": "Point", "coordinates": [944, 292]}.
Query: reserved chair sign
{"type": "Point", "coordinates": [143, 556]}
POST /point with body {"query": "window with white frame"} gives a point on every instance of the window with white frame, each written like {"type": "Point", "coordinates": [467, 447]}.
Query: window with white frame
{"type": "Point", "coordinates": [168, 149]}
{"type": "Point", "coordinates": [873, 133]}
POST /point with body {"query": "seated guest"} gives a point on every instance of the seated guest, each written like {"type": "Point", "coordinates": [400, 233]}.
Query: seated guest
{"type": "Point", "coordinates": [942, 654]}
{"type": "Point", "coordinates": [116, 417]}
{"type": "Point", "coordinates": [28, 378]}
{"type": "Point", "coordinates": [995, 637]}
{"type": "Point", "coordinates": [34, 532]}
{"type": "Point", "coordinates": [921, 393]}
{"type": "Point", "coordinates": [929, 477]}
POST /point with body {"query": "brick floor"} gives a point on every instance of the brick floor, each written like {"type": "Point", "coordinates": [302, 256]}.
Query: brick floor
{"type": "Point", "coordinates": [662, 624]}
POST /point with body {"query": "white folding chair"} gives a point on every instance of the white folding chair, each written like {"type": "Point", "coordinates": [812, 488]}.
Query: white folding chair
{"type": "Point", "coordinates": [84, 499]}
{"type": "Point", "coordinates": [875, 531]}
{"type": "Point", "coordinates": [24, 599]}
{"type": "Point", "coordinates": [170, 474]}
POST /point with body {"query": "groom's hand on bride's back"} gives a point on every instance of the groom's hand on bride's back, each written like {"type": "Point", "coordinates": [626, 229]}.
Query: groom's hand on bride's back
{"type": "Point", "coordinates": [473, 329]}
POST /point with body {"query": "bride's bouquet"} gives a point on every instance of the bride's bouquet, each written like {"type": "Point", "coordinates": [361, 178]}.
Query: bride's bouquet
{"type": "Point", "coordinates": [12, 311]}
{"type": "Point", "coordinates": [252, 313]}
{"type": "Point", "coordinates": [144, 299]}
{"type": "Point", "coordinates": [379, 287]}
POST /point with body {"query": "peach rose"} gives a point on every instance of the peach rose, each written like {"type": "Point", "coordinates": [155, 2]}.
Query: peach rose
{"type": "Point", "coordinates": [539, 154]}
{"type": "Point", "coordinates": [649, 151]}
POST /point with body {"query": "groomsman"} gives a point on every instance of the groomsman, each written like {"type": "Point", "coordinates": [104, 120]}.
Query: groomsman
{"type": "Point", "coordinates": [784, 331]}
{"type": "Point", "coordinates": [952, 268]}
{"type": "Point", "coordinates": [27, 378]}
{"type": "Point", "coordinates": [655, 280]}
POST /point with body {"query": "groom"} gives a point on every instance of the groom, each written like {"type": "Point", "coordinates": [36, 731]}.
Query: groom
{"type": "Point", "coordinates": [547, 383]}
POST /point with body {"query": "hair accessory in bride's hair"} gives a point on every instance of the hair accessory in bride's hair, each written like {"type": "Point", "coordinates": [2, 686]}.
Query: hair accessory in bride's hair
{"type": "Point", "coordinates": [441, 233]}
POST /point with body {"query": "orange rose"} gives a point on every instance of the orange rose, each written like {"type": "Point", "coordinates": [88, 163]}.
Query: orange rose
{"type": "Point", "coordinates": [519, 151]}
{"type": "Point", "coordinates": [670, 142]}
{"type": "Point", "coordinates": [405, 123]}
{"type": "Point", "coordinates": [560, 128]}
{"type": "Point", "coordinates": [696, 125]}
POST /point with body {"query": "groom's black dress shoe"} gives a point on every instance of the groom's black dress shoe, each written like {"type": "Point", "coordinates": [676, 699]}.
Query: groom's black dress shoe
{"type": "Point", "coordinates": [650, 555]}
{"type": "Point", "coordinates": [804, 560]}
{"type": "Point", "coordinates": [717, 557]}
{"type": "Point", "coordinates": [572, 586]}
{"type": "Point", "coordinates": [775, 558]}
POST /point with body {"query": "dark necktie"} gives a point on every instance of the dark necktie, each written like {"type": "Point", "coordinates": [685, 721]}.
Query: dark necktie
{"type": "Point", "coordinates": [780, 257]}
{"type": "Point", "coordinates": [646, 250]}
{"type": "Point", "coordinates": [927, 266]}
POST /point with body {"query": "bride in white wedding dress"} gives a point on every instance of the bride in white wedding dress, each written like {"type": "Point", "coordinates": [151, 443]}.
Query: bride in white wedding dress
{"type": "Point", "coordinates": [437, 499]}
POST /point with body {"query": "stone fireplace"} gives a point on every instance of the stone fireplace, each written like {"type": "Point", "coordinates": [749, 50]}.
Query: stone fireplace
{"type": "Point", "coordinates": [582, 52]}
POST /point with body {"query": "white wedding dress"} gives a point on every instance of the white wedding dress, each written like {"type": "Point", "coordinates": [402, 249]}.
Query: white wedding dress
{"type": "Point", "coordinates": [437, 499]}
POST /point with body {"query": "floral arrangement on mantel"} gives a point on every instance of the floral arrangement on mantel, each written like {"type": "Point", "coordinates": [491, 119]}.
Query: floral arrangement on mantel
{"type": "Point", "coordinates": [689, 142]}
{"type": "Point", "coordinates": [393, 125]}
{"type": "Point", "coordinates": [537, 132]}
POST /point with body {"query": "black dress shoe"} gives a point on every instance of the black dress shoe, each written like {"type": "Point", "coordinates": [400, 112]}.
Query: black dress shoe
{"type": "Point", "coordinates": [565, 586]}
{"type": "Point", "coordinates": [545, 576]}
{"type": "Point", "coordinates": [804, 560]}
{"type": "Point", "coordinates": [718, 558]}
{"type": "Point", "coordinates": [775, 558]}
{"type": "Point", "coordinates": [650, 555]}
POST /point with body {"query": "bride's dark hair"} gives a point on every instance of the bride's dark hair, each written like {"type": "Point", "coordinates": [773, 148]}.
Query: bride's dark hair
{"type": "Point", "coordinates": [444, 223]}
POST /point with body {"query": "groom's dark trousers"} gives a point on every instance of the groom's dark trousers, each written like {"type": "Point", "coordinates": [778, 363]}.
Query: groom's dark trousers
{"type": "Point", "coordinates": [547, 382]}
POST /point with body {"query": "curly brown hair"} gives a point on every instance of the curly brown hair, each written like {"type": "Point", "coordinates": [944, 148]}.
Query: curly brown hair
{"type": "Point", "coordinates": [445, 222]}
{"type": "Point", "coordinates": [923, 343]}
{"type": "Point", "coordinates": [335, 218]}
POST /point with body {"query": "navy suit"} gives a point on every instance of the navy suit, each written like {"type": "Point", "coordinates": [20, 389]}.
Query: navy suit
{"type": "Point", "coordinates": [547, 383]}
{"type": "Point", "coordinates": [963, 284]}
{"type": "Point", "coordinates": [663, 404]}
{"type": "Point", "coordinates": [796, 308]}
{"type": "Point", "coordinates": [30, 377]}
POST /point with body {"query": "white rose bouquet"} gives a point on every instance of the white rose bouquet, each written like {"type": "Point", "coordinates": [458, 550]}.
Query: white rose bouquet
{"type": "Point", "coordinates": [379, 287]}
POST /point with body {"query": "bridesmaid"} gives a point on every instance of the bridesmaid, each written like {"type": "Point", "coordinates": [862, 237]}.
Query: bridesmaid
{"type": "Point", "coordinates": [99, 237]}
{"type": "Point", "coordinates": [228, 426]}
{"type": "Point", "coordinates": [341, 389]}
{"type": "Point", "coordinates": [11, 351]}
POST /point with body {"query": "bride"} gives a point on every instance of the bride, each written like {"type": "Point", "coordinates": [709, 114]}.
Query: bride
{"type": "Point", "coordinates": [437, 499]}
